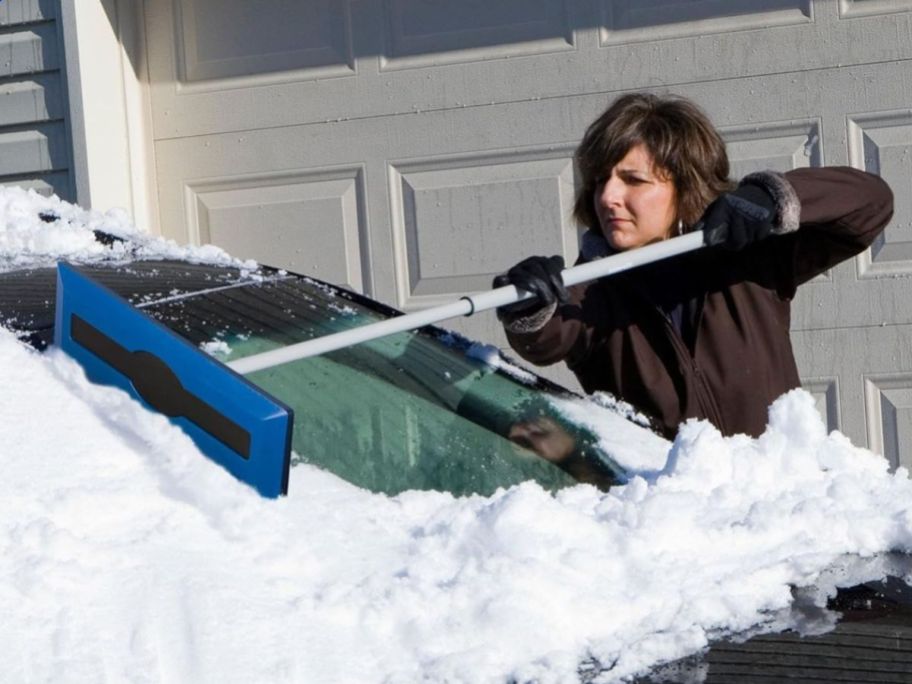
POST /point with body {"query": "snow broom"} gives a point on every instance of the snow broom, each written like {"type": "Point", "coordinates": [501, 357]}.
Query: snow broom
{"type": "Point", "coordinates": [233, 421]}
{"type": "Point", "coordinates": [467, 305]}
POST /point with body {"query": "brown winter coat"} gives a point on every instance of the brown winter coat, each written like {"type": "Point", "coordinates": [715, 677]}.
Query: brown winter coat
{"type": "Point", "coordinates": [734, 357]}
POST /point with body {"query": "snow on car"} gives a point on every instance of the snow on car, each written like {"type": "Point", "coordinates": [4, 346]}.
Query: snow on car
{"type": "Point", "coordinates": [128, 555]}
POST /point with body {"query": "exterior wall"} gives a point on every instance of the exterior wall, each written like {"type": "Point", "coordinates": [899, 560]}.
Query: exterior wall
{"type": "Point", "coordinates": [35, 148]}
{"type": "Point", "coordinates": [109, 107]}
{"type": "Point", "coordinates": [412, 149]}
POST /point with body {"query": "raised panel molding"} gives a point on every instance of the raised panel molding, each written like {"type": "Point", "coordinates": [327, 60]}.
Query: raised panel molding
{"type": "Point", "coordinates": [231, 39]}
{"type": "Point", "coordinates": [882, 144]}
{"type": "Point", "coordinates": [864, 8]}
{"type": "Point", "coordinates": [421, 33]}
{"type": "Point", "coordinates": [311, 222]}
{"type": "Point", "coordinates": [628, 21]}
{"type": "Point", "coordinates": [826, 396]}
{"type": "Point", "coordinates": [777, 146]}
{"type": "Point", "coordinates": [888, 408]}
{"type": "Point", "coordinates": [457, 222]}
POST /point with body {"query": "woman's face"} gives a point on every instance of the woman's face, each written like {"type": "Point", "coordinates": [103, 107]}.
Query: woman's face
{"type": "Point", "coordinates": [635, 202]}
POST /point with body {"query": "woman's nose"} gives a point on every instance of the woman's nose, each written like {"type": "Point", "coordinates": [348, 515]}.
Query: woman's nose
{"type": "Point", "coordinates": [610, 194]}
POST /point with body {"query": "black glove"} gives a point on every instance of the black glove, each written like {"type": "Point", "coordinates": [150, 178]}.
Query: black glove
{"type": "Point", "coordinates": [539, 275]}
{"type": "Point", "coordinates": [739, 218]}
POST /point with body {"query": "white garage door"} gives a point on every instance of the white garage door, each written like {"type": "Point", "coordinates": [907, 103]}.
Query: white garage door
{"type": "Point", "coordinates": [414, 148]}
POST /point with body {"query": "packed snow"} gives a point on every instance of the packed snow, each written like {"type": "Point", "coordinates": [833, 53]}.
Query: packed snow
{"type": "Point", "coordinates": [38, 231]}
{"type": "Point", "coordinates": [125, 555]}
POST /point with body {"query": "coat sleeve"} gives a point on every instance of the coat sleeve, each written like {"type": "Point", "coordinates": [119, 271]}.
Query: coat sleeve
{"type": "Point", "coordinates": [565, 336]}
{"type": "Point", "coordinates": [842, 211]}
{"type": "Point", "coordinates": [564, 333]}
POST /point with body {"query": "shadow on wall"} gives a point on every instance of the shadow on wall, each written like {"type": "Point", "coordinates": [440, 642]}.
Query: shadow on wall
{"type": "Point", "coordinates": [127, 25]}
{"type": "Point", "coordinates": [220, 36]}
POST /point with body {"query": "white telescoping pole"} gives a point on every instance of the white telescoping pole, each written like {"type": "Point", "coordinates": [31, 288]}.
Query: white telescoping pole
{"type": "Point", "coordinates": [466, 306]}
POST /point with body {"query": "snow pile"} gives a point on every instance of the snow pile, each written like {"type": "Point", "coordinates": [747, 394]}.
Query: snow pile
{"type": "Point", "coordinates": [38, 231]}
{"type": "Point", "coordinates": [125, 554]}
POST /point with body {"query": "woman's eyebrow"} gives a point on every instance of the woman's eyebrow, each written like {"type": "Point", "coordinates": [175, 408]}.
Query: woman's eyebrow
{"type": "Point", "coordinates": [634, 169]}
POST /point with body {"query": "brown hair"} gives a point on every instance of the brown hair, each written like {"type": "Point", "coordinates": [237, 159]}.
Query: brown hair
{"type": "Point", "coordinates": [679, 136]}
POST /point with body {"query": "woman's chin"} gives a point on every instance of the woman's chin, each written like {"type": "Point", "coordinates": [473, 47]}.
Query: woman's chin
{"type": "Point", "coordinates": [617, 241]}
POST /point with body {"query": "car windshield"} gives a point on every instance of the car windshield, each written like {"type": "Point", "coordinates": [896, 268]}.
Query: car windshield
{"type": "Point", "coordinates": [408, 411]}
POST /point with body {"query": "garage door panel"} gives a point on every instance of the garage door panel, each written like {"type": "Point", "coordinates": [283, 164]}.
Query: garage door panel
{"type": "Point", "coordinates": [872, 371]}
{"type": "Point", "coordinates": [826, 398]}
{"type": "Point", "coordinates": [864, 8]}
{"type": "Point", "coordinates": [420, 33]}
{"type": "Point", "coordinates": [649, 20]}
{"type": "Point", "coordinates": [882, 143]}
{"type": "Point", "coordinates": [218, 39]}
{"type": "Point", "coordinates": [455, 220]}
{"type": "Point", "coordinates": [465, 67]}
{"type": "Point", "coordinates": [777, 146]}
{"type": "Point", "coordinates": [888, 404]}
{"type": "Point", "coordinates": [310, 223]}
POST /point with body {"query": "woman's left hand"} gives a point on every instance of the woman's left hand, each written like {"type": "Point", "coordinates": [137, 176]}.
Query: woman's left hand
{"type": "Point", "coordinates": [738, 218]}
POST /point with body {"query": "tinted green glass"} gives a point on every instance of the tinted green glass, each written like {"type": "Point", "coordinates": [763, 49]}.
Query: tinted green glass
{"type": "Point", "coordinates": [408, 411]}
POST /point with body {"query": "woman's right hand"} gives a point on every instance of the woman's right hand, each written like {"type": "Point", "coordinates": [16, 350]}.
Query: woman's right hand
{"type": "Point", "coordinates": [539, 275]}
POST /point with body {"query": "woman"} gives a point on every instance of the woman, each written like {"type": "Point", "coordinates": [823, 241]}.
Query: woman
{"type": "Point", "coordinates": [705, 334]}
